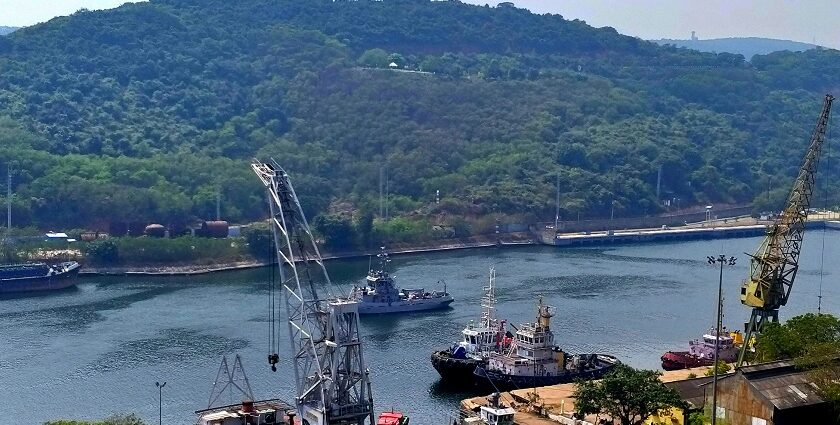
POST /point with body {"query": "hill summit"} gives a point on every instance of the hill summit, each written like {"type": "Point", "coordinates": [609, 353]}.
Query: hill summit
{"type": "Point", "coordinates": [146, 112]}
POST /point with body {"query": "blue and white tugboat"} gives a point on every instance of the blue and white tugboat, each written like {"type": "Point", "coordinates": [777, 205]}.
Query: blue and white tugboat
{"type": "Point", "coordinates": [457, 364]}
{"type": "Point", "coordinates": [535, 361]}
{"type": "Point", "coordinates": [380, 296]}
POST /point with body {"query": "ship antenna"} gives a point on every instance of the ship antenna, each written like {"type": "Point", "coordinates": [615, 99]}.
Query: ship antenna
{"type": "Point", "coordinates": [370, 262]}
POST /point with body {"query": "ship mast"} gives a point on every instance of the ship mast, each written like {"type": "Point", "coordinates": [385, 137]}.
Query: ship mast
{"type": "Point", "coordinates": [488, 303]}
{"type": "Point", "coordinates": [331, 379]}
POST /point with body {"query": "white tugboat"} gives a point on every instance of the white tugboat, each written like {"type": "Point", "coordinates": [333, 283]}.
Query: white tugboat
{"type": "Point", "coordinates": [457, 364]}
{"type": "Point", "coordinates": [535, 361]}
{"type": "Point", "coordinates": [380, 296]}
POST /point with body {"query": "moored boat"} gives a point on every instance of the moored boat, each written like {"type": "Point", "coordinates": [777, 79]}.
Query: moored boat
{"type": "Point", "coordinates": [381, 296]}
{"type": "Point", "coordinates": [701, 352]}
{"type": "Point", "coordinates": [38, 276]}
{"type": "Point", "coordinates": [534, 360]}
{"type": "Point", "coordinates": [457, 364]}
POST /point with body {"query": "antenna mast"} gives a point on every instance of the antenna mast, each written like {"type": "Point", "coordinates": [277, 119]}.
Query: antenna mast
{"type": "Point", "coordinates": [9, 199]}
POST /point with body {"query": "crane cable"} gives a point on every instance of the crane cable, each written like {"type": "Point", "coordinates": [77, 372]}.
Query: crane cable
{"type": "Point", "coordinates": [825, 208]}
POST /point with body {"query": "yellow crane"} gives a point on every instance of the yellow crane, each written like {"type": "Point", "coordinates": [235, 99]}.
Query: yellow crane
{"type": "Point", "coordinates": [774, 265]}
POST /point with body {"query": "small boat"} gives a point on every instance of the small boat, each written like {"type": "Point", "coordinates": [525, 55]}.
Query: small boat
{"type": "Point", "coordinates": [702, 352]}
{"type": "Point", "coordinates": [494, 413]}
{"type": "Point", "coordinates": [392, 418]}
{"type": "Point", "coordinates": [380, 295]}
{"type": "Point", "coordinates": [457, 364]}
{"type": "Point", "coordinates": [534, 361]}
{"type": "Point", "coordinates": [38, 276]}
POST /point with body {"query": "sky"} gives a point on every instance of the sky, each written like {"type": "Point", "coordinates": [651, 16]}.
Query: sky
{"type": "Point", "coordinates": [799, 20]}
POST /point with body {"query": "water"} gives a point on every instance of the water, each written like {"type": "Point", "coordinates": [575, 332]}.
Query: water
{"type": "Point", "coordinates": [99, 349]}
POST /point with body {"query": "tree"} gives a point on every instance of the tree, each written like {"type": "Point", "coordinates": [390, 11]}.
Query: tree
{"type": "Point", "coordinates": [374, 58]}
{"type": "Point", "coordinates": [722, 368]}
{"type": "Point", "coordinates": [797, 336]}
{"type": "Point", "coordinates": [337, 231]}
{"type": "Point", "coordinates": [627, 394]}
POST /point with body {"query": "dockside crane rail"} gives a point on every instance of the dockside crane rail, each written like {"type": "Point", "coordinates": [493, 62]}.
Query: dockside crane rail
{"type": "Point", "coordinates": [774, 265]}
{"type": "Point", "coordinates": [332, 384]}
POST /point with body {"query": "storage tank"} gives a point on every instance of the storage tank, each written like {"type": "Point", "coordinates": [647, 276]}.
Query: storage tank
{"type": "Point", "coordinates": [155, 230]}
{"type": "Point", "coordinates": [215, 229]}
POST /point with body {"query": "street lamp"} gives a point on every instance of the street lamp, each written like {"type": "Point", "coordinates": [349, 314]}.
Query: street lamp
{"type": "Point", "coordinates": [722, 260]}
{"type": "Point", "coordinates": [160, 401]}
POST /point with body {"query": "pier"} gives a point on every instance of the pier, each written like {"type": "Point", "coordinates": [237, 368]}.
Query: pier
{"type": "Point", "coordinates": [737, 227]}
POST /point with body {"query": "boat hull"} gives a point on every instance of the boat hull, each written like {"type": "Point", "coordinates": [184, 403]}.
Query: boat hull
{"type": "Point", "coordinates": [455, 371]}
{"type": "Point", "coordinates": [41, 283]}
{"type": "Point", "coordinates": [504, 382]}
{"type": "Point", "coordinates": [676, 360]}
{"type": "Point", "coordinates": [403, 306]}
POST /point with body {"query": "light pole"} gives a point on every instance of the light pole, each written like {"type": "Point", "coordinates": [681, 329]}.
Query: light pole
{"type": "Point", "coordinates": [160, 401]}
{"type": "Point", "coordinates": [722, 260]}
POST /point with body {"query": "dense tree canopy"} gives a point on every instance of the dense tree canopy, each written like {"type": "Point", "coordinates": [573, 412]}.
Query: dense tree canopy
{"type": "Point", "coordinates": [625, 394]}
{"type": "Point", "coordinates": [149, 111]}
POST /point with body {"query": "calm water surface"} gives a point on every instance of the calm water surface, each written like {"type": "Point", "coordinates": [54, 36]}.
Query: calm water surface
{"type": "Point", "coordinates": [99, 348]}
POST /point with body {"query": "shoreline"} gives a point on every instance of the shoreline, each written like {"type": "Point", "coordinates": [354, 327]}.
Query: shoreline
{"type": "Point", "coordinates": [195, 270]}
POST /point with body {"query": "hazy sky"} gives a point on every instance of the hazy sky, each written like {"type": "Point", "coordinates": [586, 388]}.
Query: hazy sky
{"type": "Point", "coordinates": [799, 20]}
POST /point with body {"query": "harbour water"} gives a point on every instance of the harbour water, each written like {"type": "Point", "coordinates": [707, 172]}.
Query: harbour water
{"type": "Point", "coordinates": [99, 348]}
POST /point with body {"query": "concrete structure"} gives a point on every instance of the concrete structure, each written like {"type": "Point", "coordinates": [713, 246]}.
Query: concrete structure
{"type": "Point", "coordinates": [775, 393]}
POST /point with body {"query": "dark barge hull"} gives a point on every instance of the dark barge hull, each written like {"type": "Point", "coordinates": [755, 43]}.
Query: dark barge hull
{"type": "Point", "coordinates": [503, 382]}
{"type": "Point", "coordinates": [453, 370]}
{"type": "Point", "coordinates": [61, 280]}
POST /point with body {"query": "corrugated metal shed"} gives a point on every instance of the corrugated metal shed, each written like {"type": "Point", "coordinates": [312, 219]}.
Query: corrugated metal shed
{"type": "Point", "coordinates": [782, 384]}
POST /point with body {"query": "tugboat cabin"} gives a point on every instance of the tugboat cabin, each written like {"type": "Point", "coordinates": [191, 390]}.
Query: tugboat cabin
{"type": "Point", "coordinates": [497, 415]}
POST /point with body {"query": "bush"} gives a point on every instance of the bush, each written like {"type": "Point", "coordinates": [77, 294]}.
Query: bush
{"type": "Point", "coordinates": [102, 251]}
{"type": "Point", "coordinates": [259, 241]}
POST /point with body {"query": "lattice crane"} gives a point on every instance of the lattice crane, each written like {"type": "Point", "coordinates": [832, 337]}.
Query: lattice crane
{"type": "Point", "coordinates": [332, 385]}
{"type": "Point", "coordinates": [774, 265]}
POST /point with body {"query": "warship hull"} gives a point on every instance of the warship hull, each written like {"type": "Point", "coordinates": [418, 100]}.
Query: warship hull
{"type": "Point", "coordinates": [406, 306]}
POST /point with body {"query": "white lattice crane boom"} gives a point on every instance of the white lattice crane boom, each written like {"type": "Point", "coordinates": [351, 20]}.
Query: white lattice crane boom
{"type": "Point", "coordinates": [332, 385]}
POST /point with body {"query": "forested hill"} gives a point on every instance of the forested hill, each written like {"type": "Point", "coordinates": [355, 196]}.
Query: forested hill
{"type": "Point", "coordinates": [7, 30]}
{"type": "Point", "coordinates": [144, 112]}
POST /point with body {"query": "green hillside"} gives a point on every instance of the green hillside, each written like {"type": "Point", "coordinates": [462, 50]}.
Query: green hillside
{"type": "Point", "coordinates": [144, 112]}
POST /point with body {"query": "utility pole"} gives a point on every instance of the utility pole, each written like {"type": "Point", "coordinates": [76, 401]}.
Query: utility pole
{"type": "Point", "coordinates": [658, 182]}
{"type": "Point", "coordinates": [557, 205]}
{"type": "Point", "coordinates": [9, 199]}
{"type": "Point", "coordinates": [387, 193]}
{"type": "Point", "coordinates": [381, 189]}
{"type": "Point", "coordinates": [218, 205]}
{"type": "Point", "coordinates": [723, 261]}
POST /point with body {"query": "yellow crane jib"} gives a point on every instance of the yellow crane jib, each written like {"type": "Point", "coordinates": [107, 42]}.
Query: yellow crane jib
{"type": "Point", "coordinates": [774, 265]}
